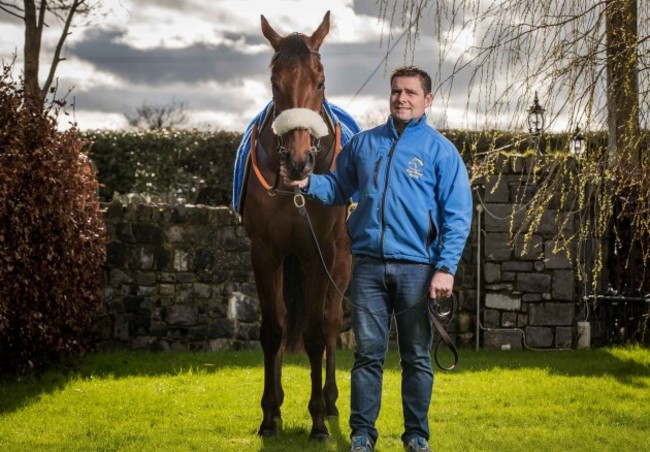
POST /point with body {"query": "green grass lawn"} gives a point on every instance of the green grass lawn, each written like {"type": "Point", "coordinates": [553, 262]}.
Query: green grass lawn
{"type": "Point", "coordinates": [586, 400]}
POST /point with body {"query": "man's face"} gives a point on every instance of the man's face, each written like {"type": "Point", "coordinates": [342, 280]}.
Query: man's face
{"type": "Point", "coordinates": [407, 99]}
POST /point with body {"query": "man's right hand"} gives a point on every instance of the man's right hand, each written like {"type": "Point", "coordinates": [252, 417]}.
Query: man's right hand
{"type": "Point", "coordinates": [302, 183]}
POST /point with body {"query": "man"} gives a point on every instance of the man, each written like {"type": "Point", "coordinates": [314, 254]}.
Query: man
{"type": "Point", "coordinates": [408, 232]}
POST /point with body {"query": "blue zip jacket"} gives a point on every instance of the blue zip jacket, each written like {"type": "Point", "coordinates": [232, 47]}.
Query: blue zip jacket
{"type": "Point", "coordinates": [415, 200]}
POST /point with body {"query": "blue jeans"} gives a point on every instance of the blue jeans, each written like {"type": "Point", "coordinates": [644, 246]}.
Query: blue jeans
{"type": "Point", "coordinates": [378, 289]}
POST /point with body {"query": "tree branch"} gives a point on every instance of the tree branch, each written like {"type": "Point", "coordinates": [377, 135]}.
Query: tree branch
{"type": "Point", "coordinates": [64, 34]}
{"type": "Point", "coordinates": [41, 16]}
{"type": "Point", "coordinates": [14, 11]}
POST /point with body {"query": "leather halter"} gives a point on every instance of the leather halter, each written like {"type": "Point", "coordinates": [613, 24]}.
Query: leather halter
{"type": "Point", "coordinates": [255, 143]}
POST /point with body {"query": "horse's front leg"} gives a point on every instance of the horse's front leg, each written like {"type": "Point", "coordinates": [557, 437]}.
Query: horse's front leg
{"type": "Point", "coordinates": [333, 321]}
{"type": "Point", "coordinates": [273, 395]}
{"type": "Point", "coordinates": [268, 277]}
{"type": "Point", "coordinates": [314, 340]}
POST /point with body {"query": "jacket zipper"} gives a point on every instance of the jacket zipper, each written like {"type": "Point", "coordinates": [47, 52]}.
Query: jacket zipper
{"type": "Point", "coordinates": [383, 197]}
{"type": "Point", "coordinates": [432, 234]}
{"type": "Point", "coordinates": [375, 180]}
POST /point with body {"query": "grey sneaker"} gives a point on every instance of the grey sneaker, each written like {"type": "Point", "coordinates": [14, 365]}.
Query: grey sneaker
{"type": "Point", "coordinates": [417, 444]}
{"type": "Point", "coordinates": [361, 443]}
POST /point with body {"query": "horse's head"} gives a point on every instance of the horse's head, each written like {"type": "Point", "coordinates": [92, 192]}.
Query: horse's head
{"type": "Point", "coordinates": [298, 83]}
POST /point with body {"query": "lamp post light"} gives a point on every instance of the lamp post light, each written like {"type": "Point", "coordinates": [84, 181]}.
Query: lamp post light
{"type": "Point", "coordinates": [577, 142]}
{"type": "Point", "coordinates": [536, 122]}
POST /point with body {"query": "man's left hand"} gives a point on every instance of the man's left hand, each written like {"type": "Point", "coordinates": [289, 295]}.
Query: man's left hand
{"type": "Point", "coordinates": [441, 286]}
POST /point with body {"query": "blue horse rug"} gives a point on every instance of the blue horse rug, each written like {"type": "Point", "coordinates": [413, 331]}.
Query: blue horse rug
{"type": "Point", "coordinates": [337, 116]}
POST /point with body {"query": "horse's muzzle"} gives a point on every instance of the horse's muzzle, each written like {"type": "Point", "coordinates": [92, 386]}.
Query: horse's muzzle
{"type": "Point", "coordinates": [299, 169]}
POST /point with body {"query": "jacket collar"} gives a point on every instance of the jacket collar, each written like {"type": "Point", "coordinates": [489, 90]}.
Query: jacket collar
{"type": "Point", "coordinates": [413, 124]}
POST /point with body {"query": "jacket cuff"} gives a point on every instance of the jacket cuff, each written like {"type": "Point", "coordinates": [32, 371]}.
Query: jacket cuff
{"type": "Point", "coordinates": [305, 189]}
{"type": "Point", "coordinates": [442, 268]}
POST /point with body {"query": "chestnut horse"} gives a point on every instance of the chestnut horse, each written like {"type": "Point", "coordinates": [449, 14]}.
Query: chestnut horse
{"type": "Point", "coordinates": [296, 135]}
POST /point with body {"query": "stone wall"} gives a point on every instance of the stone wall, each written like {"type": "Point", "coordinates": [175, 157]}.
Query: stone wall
{"type": "Point", "coordinates": [179, 277]}
{"type": "Point", "coordinates": [529, 292]}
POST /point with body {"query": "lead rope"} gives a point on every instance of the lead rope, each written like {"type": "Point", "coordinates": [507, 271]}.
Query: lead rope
{"type": "Point", "coordinates": [438, 319]}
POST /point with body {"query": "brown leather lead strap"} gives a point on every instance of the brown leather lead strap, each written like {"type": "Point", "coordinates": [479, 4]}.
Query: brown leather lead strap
{"type": "Point", "coordinates": [442, 337]}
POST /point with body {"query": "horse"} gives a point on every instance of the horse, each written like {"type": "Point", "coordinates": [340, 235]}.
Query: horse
{"type": "Point", "coordinates": [300, 273]}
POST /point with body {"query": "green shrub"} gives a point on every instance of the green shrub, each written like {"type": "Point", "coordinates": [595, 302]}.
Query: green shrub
{"type": "Point", "coordinates": [51, 238]}
{"type": "Point", "coordinates": [166, 164]}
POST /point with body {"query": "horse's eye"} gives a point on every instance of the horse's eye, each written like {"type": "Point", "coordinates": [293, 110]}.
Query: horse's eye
{"type": "Point", "coordinates": [321, 85]}
{"type": "Point", "coordinates": [274, 87]}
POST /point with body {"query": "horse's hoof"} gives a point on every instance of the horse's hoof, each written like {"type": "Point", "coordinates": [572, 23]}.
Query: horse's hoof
{"type": "Point", "coordinates": [320, 437]}
{"type": "Point", "coordinates": [333, 413]}
{"type": "Point", "coordinates": [332, 417]}
{"type": "Point", "coordinates": [269, 430]}
{"type": "Point", "coordinates": [267, 433]}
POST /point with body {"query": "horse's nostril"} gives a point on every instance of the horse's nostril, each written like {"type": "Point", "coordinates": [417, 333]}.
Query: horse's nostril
{"type": "Point", "coordinates": [310, 163]}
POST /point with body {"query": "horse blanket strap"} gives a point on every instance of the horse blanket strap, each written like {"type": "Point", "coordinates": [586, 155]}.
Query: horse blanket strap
{"type": "Point", "coordinates": [337, 144]}
{"type": "Point", "coordinates": [256, 168]}
{"type": "Point", "coordinates": [442, 335]}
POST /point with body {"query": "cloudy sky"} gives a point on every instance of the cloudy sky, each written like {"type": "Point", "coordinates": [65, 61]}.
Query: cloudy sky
{"type": "Point", "coordinates": [211, 56]}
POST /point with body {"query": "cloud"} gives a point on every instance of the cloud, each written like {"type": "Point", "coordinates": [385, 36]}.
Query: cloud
{"type": "Point", "coordinates": [212, 56]}
{"type": "Point", "coordinates": [158, 66]}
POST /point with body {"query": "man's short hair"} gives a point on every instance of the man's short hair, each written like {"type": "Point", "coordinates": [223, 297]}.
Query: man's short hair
{"type": "Point", "coordinates": [413, 71]}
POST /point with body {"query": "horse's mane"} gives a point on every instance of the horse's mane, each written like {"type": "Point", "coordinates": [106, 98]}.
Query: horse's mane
{"type": "Point", "coordinates": [293, 48]}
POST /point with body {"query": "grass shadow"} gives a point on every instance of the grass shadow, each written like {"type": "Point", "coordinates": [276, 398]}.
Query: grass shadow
{"type": "Point", "coordinates": [19, 391]}
{"type": "Point", "coordinates": [342, 442]}
{"type": "Point", "coordinates": [16, 394]}
{"type": "Point", "coordinates": [298, 439]}
{"type": "Point", "coordinates": [603, 362]}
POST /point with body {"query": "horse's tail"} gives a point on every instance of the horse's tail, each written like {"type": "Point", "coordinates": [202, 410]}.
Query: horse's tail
{"type": "Point", "coordinates": [294, 301]}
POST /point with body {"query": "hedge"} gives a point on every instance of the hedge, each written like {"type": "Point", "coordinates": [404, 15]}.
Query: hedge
{"type": "Point", "coordinates": [196, 166]}
{"type": "Point", "coordinates": [51, 238]}
{"type": "Point", "coordinates": [165, 165]}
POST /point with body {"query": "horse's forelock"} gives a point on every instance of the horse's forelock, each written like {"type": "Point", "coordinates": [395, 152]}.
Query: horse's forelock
{"type": "Point", "coordinates": [293, 48]}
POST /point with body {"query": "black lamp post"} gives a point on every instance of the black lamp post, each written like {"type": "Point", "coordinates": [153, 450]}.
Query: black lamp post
{"type": "Point", "coordinates": [536, 118]}
{"type": "Point", "coordinates": [577, 142]}
{"type": "Point", "coordinates": [536, 122]}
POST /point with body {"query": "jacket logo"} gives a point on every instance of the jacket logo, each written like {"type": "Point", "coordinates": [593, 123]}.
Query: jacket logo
{"type": "Point", "coordinates": [414, 168]}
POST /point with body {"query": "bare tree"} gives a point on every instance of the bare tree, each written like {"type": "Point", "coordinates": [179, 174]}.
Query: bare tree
{"type": "Point", "coordinates": [36, 15]}
{"type": "Point", "coordinates": [158, 117]}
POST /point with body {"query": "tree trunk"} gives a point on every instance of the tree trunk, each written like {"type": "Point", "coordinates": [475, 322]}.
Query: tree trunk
{"type": "Point", "coordinates": [622, 81]}
{"type": "Point", "coordinates": [32, 51]}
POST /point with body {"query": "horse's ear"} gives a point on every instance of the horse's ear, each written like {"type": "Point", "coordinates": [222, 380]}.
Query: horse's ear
{"type": "Point", "coordinates": [270, 34]}
{"type": "Point", "coordinates": [319, 35]}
